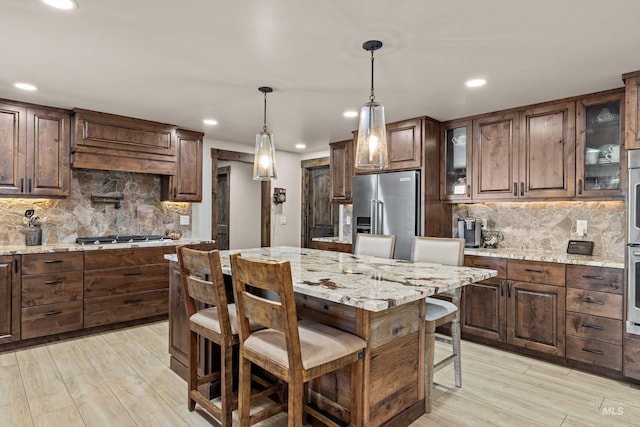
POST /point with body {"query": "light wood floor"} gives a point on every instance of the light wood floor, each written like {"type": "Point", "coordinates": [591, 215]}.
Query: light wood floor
{"type": "Point", "coordinates": [123, 378]}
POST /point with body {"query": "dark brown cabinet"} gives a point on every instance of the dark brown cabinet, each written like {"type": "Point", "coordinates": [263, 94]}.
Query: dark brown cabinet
{"type": "Point", "coordinates": [600, 154]}
{"type": "Point", "coordinates": [341, 162]}
{"type": "Point", "coordinates": [333, 246]}
{"type": "Point", "coordinates": [632, 110]}
{"type": "Point", "coordinates": [404, 140]}
{"type": "Point", "coordinates": [547, 151]}
{"type": "Point", "coordinates": [51, 293]}
{"type": "Point", "coordinates": [9, 300]}
{"type": "Point", "coordinates": [186, 184]}
{"type": "Point", "coordinates": [35, 147]}
{"type": "Point", "coordinates": [495, 156]}
{"type": "Point", "coordinates": [125, 284]}
{"type": "Point", "coordinates": [594, 316]}
{"type": "Point", "coordinates": [456, 160]}
{"type": "Point", "coordinates": [524, 306]}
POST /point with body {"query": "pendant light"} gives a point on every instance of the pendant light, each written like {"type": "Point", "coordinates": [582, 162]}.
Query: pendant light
{"type": "Point", "coordinates": [264, 163]}
{"type": "Point", "coordinates": [371, 146]}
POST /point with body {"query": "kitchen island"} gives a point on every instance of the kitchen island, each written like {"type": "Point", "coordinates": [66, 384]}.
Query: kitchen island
{"type": "Point", "coordinates": [380, 300]}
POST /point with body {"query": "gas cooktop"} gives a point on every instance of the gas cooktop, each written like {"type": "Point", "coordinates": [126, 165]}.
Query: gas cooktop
{"type": "Point", "coordinates": [119, 239]}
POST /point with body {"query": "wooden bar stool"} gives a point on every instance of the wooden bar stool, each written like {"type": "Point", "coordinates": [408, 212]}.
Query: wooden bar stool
{"type": "Point", "coordinates": [380, 245]}
{"type": "Point", "coordinates": [216, 321]}
{"type": "Point", "coordinates": [447, 251]}
{"type": "Point", "coordinates": [293, 351]}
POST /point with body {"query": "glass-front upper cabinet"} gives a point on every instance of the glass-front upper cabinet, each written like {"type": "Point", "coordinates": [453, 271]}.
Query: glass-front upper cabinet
{"type": "Point", "coordinates": [599, 147]}
{"type": "Point", "coordinates": [455, 152]}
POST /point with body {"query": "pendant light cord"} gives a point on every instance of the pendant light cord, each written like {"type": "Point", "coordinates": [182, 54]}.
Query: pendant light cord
{"type": "Point", "coordinates": [264, 127]}
{"type": "Point", "coordinates": [372, 97]}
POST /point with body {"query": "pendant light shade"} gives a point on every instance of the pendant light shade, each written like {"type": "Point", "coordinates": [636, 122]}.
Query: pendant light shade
{"type": "Point", "coordinates": [264, 163]}
{"type": "Point", "coordinates": [371, 146]}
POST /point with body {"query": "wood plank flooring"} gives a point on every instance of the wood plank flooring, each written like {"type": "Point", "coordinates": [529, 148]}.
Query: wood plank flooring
{"type": "Point", "coordinates": [122, 378]}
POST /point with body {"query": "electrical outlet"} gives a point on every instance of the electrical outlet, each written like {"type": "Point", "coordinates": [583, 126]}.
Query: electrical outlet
{"type": "Point", "coordinates": [283, 220]}
{"type": "Point", "coordinates": [581, 227]}
{"type": "Point", "coordinates": [347, 220]}
{"type": "Point", "coordinates": [184, 219]}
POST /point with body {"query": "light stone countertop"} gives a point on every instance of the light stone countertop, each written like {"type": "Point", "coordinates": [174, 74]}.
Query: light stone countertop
{"type": "Point", "coordinates": [333, 239]}
{"type": "Point", "coordinates": [370, 283]}
{"type": "Point", "coordinates": [547, 256]}
{"type": "Point", "coordinates": [74, 247]}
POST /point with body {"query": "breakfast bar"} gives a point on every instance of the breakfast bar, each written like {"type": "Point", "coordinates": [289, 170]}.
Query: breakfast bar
{"type": "Point", "coordinates": [380, 300]}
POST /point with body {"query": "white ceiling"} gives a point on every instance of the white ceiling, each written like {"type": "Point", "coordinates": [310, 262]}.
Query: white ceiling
{"type": "Point", "coordinates": [182, 61]}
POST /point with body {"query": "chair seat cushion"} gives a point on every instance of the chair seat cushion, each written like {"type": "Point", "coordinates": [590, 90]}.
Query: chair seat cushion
{"type": "Point", "coordinates": [319, 344]}
{"type": "Point", "coordinates": [437, 308]}
{"type": "Point", "coordinates": [208, 318]}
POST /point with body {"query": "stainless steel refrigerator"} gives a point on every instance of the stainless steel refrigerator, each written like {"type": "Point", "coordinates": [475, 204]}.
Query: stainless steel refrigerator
{"type": "Point", "coordinates": [388, 203]}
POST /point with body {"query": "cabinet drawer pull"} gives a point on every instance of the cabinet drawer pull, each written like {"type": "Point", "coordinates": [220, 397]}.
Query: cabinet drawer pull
{"type": "Point", "coordinates": [589, 276]}
{"type": "Point", "coordinates": [590, 301]}
{"type": "Point", "coordinates": [53, 313]}
{"type": "Point", "coordinates": [481, 265]}
{"type": "Point", "coordinates": [53, 282]}
{"type": "Point", "coordinates": [53, 261]}
{"type": "Point", "coordinates": [133, 273]}
{"type": "Point", "coordinates": [531, 270]}
{"type": "Point", "coordinates": [589, 325]}
{"type": "Point", "coordinates": [590, 350]}
{"type": "Point", "coordinates": [133, 301]}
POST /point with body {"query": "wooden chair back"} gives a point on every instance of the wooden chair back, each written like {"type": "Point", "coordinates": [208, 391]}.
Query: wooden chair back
{"type": "Point", "coordinates": [250, 279]}
{"type": "Point", "coordinates": [202, 281]}
{"type": "Point", "coordinates": [439, 250]}
{"type": "Point", "coordinates": [380, 245]}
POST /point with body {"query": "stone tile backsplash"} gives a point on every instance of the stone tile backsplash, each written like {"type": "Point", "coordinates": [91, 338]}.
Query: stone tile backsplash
{"type": "Point", "coordinates": [141, 210]}
{"type": "Point", "coordinates": [550, 225]}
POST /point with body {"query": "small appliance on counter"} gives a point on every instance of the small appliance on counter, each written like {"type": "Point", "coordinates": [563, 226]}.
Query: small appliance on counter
{"type": "Point", "coordinates": [469, 230]}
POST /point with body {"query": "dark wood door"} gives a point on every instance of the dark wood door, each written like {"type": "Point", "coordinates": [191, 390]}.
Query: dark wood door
{"type": "Point", "coordinates": [484, 310]}
{"type": "Point", "coordinates": [222, 236]}
{"type": "Point", "coordinates": [187, 185]}
{"type": "Point", "coordinates": [404, 140]}
{"type": "Point", "coordinates": [547, 151]}
{"type": "Point", "coordinates": [319, 210]}
{"type": "Point", "coordinates": [9, 309]}
{"type": "Point", "coordinates": [536, 317]}
{"type": "Point", "coordinates": [13, 122]}
{"type": "Point", "coordinates": [495, 156]}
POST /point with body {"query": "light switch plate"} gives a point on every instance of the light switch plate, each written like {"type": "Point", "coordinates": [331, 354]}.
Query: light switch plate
{"type": "Point", "coordinates": [283, 220]}
{"type": "Point", "coordinates": [581, 227]}
{"type": "Point", "coordinates": [184, 219]}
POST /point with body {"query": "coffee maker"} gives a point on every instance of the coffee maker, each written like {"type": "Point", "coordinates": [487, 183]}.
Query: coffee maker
{"type": "Point", "coordinates": [469, 229]}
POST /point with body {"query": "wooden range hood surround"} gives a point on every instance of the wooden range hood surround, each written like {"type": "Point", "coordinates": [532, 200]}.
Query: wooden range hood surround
{"type": "Point", "coordinates": [110, 142]}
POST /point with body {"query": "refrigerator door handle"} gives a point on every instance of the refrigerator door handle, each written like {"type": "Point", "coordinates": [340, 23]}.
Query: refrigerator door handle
{"type": "Point", "coordinates": [380, 217]}
{"type": "Point", "coordinates": [373, 224]}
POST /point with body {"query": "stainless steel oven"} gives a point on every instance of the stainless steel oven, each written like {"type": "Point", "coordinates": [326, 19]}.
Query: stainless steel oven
{"type": "Point", "coordinates": [633, 243]}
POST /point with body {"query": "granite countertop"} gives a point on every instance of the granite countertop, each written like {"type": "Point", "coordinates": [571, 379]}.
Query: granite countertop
{"type": "Point", "coordinates": [74, 247]}
{"type": "Point", "coordinates": [370, 283]}
{"type": "Point", "coordinates": [548, 256]}
{"type": "Point", "coordinates": [333, 239]}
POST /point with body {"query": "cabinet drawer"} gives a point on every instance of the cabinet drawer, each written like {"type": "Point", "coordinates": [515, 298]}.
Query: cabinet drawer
{"type": "Point", "coordinates": [595, 278]}
{"type": "Point", "coordinates": [333, 246]}
{"type": "Point", "coordinates": [51, 288]}
{"type": "Point", "coordinates": [594, 352]}
{"type": "Point", "coordinates": [594, 303]}
{"type": "Point", "coordinates": [51, 319]}
{"type": "Point", "coordinates": [536, 272]}
{"type": "Point", "coordinates": [119, 281]}
{"type": "Point", "coordinates": [51, 262]}
{"type": "Point", "coordinates": [122, 308]}
{"type": "Point", "coordinates": [489, 263]}
{"type": "Point", "coordinates": [112, 258]}
{"type": "Point", "coordinates": [595, 328]}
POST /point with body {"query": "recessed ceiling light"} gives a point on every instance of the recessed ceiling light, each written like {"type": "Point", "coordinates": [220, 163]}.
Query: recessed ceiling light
{"type": "Point", "coordinates": [300, 146]}
{"type": "Point", "coordinates": [62, 4]}
{"type": "Point", "coordinates": [25, 86]}
{"type": "Point", "coordinates": [350, 114]}
{"type": "Point", "coordinates": [210, 122]}
{"type": "Point", "coordinates": [475, 82]}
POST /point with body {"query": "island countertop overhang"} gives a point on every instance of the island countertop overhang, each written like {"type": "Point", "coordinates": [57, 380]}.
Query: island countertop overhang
{"type": "Point", "coordinates": [370, 283]}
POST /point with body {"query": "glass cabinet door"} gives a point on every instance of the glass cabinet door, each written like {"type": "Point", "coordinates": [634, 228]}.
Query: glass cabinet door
{"type": "Point", "coordinates": [456, 158]}
{"type": "Point", "coordinates": [599, 150]}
